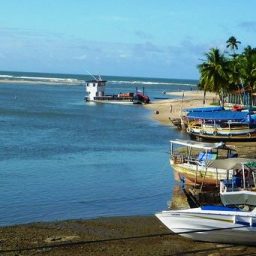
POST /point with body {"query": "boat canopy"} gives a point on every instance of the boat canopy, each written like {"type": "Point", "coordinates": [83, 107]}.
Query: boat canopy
{"type": "Point", "coordinates": [224, 115]}
{"type": "Point", "coordinates": [231, 163]}
{"type": "Point", "coordinates": [201, 145]}
{"type": "Point", "coordinates": [205, 109]}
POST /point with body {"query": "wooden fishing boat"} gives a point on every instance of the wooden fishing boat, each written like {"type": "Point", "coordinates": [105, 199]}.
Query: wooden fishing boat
{"type": "Point", "coordinates": [223, 125]}
{"type": "Point", "coordinates": [181, 122]}
{"type": "Point", "coordinates": [190, 161]}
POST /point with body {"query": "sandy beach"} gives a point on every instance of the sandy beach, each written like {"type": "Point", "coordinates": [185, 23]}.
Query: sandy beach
{"type": "Point", "coordinates": [163, 109]}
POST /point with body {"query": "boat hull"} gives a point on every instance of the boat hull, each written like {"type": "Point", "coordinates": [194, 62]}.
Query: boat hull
{"type": "Point", "coordinates": [199, 174]}
{"type": "Point", "coordinates": [210, 227]}
{"type": "Point", "coordinates": [112, 102]}
{"type": "Point", "coordinates": [233, 137]}
{"type": "Point", "coordinates": [221, 125]}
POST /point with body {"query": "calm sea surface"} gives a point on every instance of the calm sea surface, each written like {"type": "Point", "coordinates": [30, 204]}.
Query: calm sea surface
{"type": "Point", "coordinates": [62, 158]}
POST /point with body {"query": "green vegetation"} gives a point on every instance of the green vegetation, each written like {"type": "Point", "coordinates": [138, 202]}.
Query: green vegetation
{"type": "Point", "coordinates": [229, 71]}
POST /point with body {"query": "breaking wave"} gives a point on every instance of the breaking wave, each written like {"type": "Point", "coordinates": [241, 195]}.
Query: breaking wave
{"type": "Point", "coordinates": [37, 79]}
{"type": "Point", "coordinates": [152, 83]}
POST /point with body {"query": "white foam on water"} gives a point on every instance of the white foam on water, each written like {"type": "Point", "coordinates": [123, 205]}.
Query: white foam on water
{"type": "Point", "coordinates": [151, 83]}
{"type": "Point", "coordinates": [37, 79]}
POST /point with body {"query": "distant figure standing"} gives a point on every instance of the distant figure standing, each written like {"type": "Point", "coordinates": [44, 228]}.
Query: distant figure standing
{"type": "Point", "coordinates": [183, 182]}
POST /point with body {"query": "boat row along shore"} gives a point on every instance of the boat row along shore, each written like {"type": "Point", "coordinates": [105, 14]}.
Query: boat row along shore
{"type": "Point", "coordinates": [213, 168]}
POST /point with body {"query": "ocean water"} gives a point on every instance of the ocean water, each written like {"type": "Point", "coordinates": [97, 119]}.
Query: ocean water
{"type": "Point", "coordinates": [62, 158]}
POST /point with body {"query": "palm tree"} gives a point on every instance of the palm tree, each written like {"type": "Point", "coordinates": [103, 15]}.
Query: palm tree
{"type": "Point", "coordinates": [232, 43]}
{"type": "Point", "coordinates": [248, 64]}
{"type": "Point", "coordinates": [215, 73]}
{"type": "Point", "coordinates": [248, 70]}
{"type": "Point", "coordinates": [235, 82]}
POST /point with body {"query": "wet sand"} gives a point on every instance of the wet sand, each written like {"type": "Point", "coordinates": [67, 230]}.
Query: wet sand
{"type": "Point", "coordinates": [106, 236]}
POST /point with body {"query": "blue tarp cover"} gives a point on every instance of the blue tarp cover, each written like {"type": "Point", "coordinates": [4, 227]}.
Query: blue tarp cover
{"type": "Point", "coordinates": [219, 115]}
{"type": "Point", "coordinates": [205, 109]}
{"type": "Point", "coordinates": [219, 208]}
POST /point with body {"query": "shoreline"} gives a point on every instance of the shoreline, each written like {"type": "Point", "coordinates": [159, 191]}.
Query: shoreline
{"type": "Point", "coordinates": [136, 235]}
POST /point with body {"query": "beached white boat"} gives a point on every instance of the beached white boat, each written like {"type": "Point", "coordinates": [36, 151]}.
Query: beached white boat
{"type": "Point", "coordinates": [212, 224]}
{"type": "Point", "coordinates": [191, 159]}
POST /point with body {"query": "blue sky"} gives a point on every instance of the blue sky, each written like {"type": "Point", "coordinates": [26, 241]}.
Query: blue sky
{"type": "Point", "coordinates": [146, 38]}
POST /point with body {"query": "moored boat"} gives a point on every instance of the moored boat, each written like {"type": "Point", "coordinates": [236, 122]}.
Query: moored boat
{"type": "Point", "coordinates": [223, 125]}
{"type": "Point", "coordinates": [239, 187]}
{"type": "Point", "coordinates": [182, 122]}
{"type": "Point", "coordinates": [190, 160]}
{"type": "Point", "coordinates": [212, 224]}
{"type": "Point", "coordinates": [96, 93]}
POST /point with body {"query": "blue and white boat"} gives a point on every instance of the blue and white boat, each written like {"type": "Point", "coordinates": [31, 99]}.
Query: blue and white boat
{"type": "Point", "coordinates": [212, 224]}
{"type": "Point", "coordinates": [182, 121]}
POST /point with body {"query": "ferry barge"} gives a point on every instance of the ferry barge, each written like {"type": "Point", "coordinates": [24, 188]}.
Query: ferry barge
{"type": "Point", "coordinates": [96, 93]}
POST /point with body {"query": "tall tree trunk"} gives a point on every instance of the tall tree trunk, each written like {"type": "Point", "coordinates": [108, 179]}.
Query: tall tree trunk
{"type": "Point", "coordinates": [250, 101]}
{"type": "Point", "coordinates": [221, 96]}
